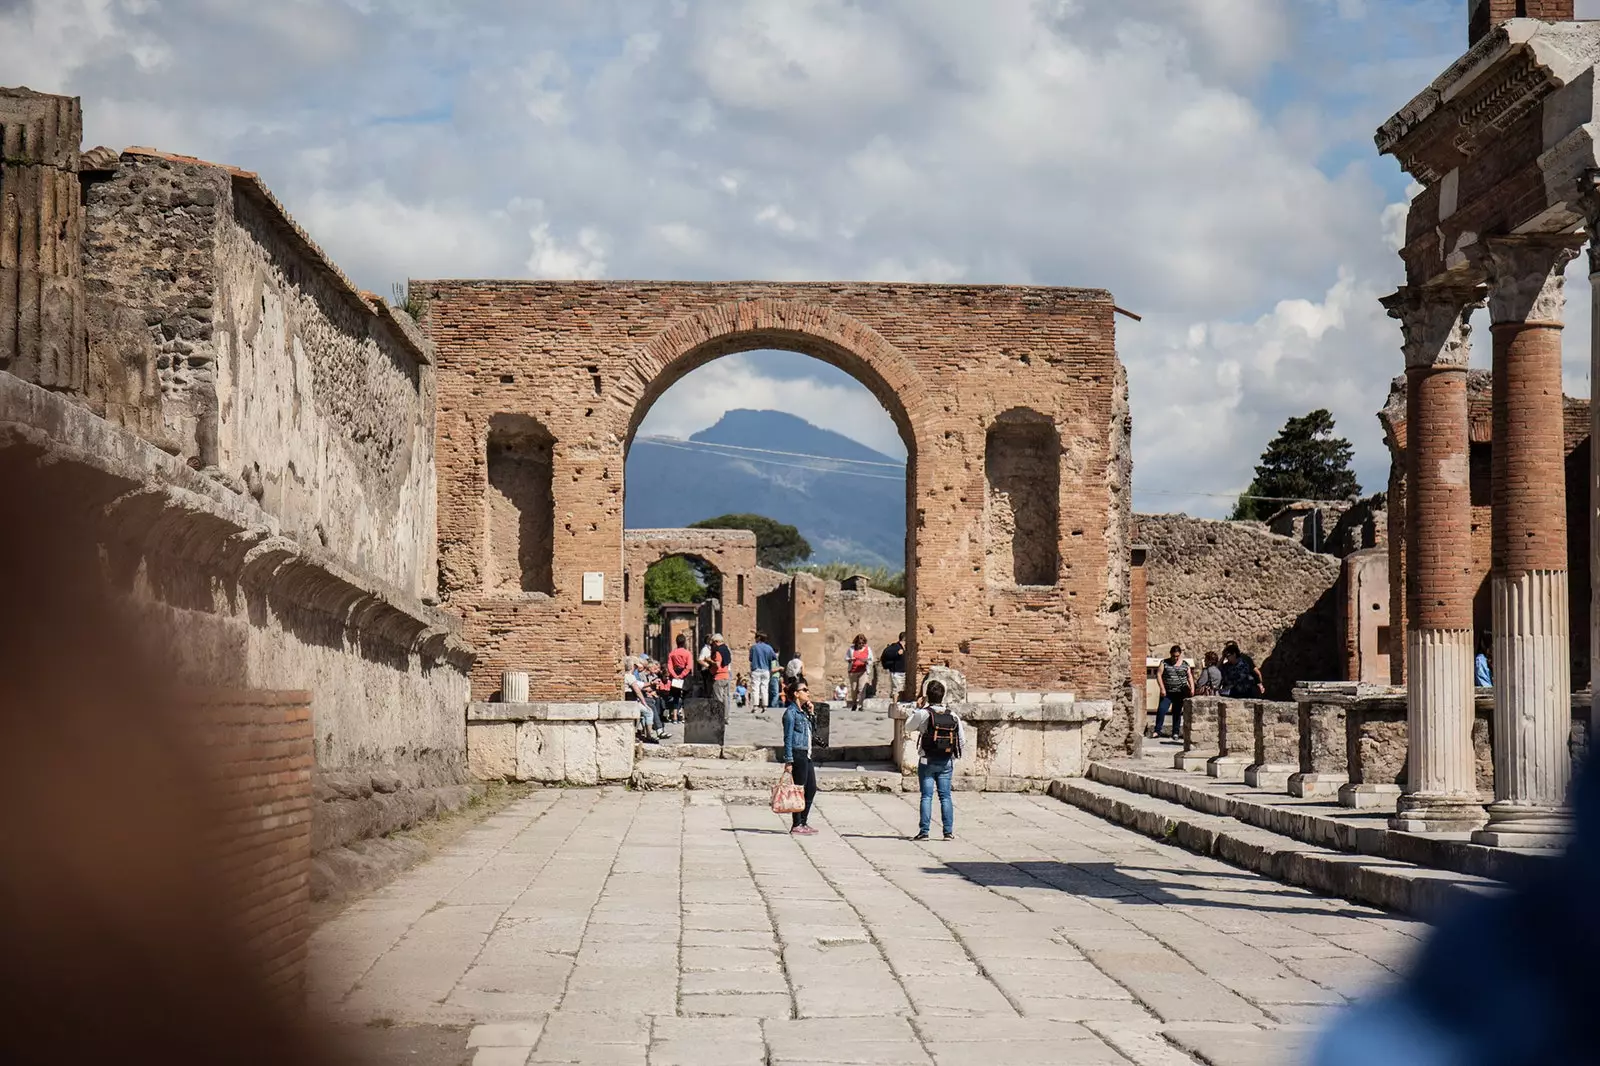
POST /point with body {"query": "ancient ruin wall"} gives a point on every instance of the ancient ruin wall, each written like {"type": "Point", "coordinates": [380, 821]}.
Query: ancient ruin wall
{"type": "Point", "coordinates": [271, 369]}
{"type": "Point", "coordinates": [586, 359]}
{"type": "Point", "coordinates": [878, 614]}
{"type": "Point", "coordinates": [731, 552]}
{"type": "Point", "coordinates": [1209, 582]}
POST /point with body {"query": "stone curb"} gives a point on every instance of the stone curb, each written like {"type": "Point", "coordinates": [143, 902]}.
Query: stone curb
{"type": "Point", "coordinates": [1365, 879]}
{"type": "Point", "coordinates": [1299, 820]}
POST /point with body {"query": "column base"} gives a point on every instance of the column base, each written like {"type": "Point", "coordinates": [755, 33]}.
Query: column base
{"type": "Point", "coordinates": [1316, 786]}
{"type": "Point", "coordinates": [1190, 760]}
{"type": "Point", "coordinates": [1369, 797]}
{"type": "Point", "coordinates": [1424, 813]}
{"type": "Point", "coordinates": [1227, 767]}
{"type": "Point", "coordinates": [1273, 777]}
{"type": "Point", "coordinates": [1516, 825]}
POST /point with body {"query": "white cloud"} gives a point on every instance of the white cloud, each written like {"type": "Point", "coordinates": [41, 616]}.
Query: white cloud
{"type": "Point", "coordinates": [581, 259]}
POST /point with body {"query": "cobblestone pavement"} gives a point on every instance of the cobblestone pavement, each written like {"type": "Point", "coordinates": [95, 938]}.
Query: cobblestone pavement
{"type": "Point", "coordinates": [663, 928]}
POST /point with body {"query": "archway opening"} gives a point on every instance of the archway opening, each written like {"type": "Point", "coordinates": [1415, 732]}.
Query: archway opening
{"type": "Point", "coordinates": [806, 445]}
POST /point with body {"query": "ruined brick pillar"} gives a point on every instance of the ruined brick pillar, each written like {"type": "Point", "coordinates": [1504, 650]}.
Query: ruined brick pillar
{"type": "Point", "coordinates": [1485, 15]}
{"type": "Point", "coordinates": [42, 334]}
{"type": "Point", "coordinates": [1440, 794]}
{"type": "Point", "coordinates": [1528, 579]}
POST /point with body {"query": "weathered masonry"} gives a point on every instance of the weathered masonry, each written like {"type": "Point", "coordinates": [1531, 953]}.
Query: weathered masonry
{"type": "Point", "coordinates": [1011, 401]}
{"type": "Point", "coordinates": [1503, 143]}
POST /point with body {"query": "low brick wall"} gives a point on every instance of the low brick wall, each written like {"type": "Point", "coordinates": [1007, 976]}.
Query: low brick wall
{"type": "Point", "coordinates": [259, 744]}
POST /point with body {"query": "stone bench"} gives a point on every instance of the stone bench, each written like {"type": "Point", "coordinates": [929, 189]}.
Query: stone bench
{"type": "Point", "coordinates": [552, 743]}
{"type": "Point", "coordinates": [1029, 737]}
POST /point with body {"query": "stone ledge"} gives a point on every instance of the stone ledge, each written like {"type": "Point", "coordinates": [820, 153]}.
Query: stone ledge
{"type": "Point", "coordinates": [1380, 882]}
{"type": "Point", "coordinates": [1326, 825]}
{"type": "Point", "coordinates": [544, 711]}
{"type": "Point", "coordinates": [1067, 711]}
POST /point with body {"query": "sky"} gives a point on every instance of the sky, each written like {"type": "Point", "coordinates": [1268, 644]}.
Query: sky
{"type": "Point", "coordinates": [1208, 161]}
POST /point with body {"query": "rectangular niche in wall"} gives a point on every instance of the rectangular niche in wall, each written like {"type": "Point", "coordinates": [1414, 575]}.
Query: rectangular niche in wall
{"type": "Point", "coordinates": [1022, 467]}
{"type": "Point", "coordinates": [521, 509]}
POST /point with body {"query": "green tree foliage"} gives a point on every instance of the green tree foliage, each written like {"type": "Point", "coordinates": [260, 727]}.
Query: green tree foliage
{"type": "Point", "coordinates": [672, 580]}
{"type": "Point", "coordinates": [778, 546]}
{"type": "Point", "coordinates": [879, 577]}
{"type": "Point", "coordinates": [1305, 461]}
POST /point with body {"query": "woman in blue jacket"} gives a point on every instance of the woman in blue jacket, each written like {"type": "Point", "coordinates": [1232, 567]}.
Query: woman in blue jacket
{"type": "Point", "coordinates": [798, 723]}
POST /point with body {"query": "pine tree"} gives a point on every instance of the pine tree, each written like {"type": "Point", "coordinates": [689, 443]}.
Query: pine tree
{"type": "Point", "coordinates": [1305, 461]}
{"type": "Point", "coordinates": [778, 544]}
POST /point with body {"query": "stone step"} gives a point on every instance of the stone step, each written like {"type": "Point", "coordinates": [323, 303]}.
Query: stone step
{"type": "Point", "coordinates": [1323, 823]}
{"type": "Point", "coordinates": [732, 775]}
{"type": "Point", "coordinates": [1379, 882]}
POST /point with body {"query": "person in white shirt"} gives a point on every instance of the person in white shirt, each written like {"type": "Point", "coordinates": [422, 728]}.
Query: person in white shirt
{"type": "Point", "coordinates": [941, 738]}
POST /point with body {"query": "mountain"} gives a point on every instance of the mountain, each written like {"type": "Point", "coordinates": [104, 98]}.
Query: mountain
{"type": "Point", "coordinates": [846, 516]}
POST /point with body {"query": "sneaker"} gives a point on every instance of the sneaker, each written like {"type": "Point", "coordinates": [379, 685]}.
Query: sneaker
{"type": "Point", "coordinates": [920, 836]}
{"type": "Point", "coordinates": [949, 836]}
{"type": "Point", "coordinates": [806, 830]}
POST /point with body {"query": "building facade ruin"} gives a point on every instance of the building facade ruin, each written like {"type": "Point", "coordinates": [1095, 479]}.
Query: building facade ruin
{"type": "Point", "coordinates": [1502, 143]}
{"type": "Point", "coordinates": [1011, 402]}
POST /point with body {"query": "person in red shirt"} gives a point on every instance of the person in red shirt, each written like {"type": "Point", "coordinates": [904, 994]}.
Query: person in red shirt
{"type": "Point", "coordinates": [860, 663]}
{"type": "Point", "coordinates": [680, 664]}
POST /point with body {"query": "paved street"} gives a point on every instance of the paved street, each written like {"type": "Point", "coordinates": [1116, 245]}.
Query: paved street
{"type": "Point", "coordinates": [603, 926]}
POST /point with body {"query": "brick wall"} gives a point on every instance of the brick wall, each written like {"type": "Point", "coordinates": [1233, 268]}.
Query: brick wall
{"type": "Point", "coordinates": [1484, 15]}
{"type": "Point", "coordinates": [259, 744]}
{"type": "Point", "coordinates": [730, 552]}
{"type": "Point", "coordinates": [879, 615]}
{"type": "Point", "coordinates": [587, 359]}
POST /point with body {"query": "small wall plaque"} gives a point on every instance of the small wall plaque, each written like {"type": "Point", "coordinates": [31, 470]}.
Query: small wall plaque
{"type": "Point", "coordinates": [594, 586]}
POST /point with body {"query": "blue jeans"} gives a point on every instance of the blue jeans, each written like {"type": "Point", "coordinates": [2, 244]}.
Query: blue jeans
{"type": "Point", "coordinates": [1175, 702]}
{"type": "Point", "coordinates": [772, 688]}
{"type": "Point", "coordinates": [932, 774]}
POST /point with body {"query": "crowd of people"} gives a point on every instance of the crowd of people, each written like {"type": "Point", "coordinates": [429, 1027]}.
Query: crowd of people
{"type": "Point", "coordinates": [1234, 673]}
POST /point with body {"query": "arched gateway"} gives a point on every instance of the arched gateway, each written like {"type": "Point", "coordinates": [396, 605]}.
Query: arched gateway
{"type": "Point", "coordinates": [1010, 399]}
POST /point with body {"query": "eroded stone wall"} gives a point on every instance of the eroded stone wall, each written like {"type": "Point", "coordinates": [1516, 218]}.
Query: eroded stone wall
{"type": "Point", "coordinates": [1209, 582]}
{"type": "Point", "coordinates": [879, 615]}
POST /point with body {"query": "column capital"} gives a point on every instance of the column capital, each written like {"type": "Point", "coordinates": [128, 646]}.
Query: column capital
{"type": "Point", "coordinates": [1589, 200]}
{"type": "Point", "coordinates": [1527, 275]}
{"type": "Point", "coordinates": [1433, 322]}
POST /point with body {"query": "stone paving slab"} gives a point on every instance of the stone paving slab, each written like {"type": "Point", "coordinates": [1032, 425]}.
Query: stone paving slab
{"type": "Point", "coordinates": [664, 928]}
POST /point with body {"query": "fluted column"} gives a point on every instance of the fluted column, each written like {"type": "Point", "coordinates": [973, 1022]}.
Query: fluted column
{"type": "Point", "coordinates": [1528, 580]}
{"type": "Point", "coordinates": [1440, 793]}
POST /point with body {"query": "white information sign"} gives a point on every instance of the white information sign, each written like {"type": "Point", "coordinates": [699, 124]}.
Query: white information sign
{"type": "Point", "coordinates": [594, 586]}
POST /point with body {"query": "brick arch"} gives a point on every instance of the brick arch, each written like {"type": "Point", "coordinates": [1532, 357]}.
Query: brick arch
{"type": "Point", "coordinates": [730, 552]}
{"type": "Point", "coordinates": [811, 329]}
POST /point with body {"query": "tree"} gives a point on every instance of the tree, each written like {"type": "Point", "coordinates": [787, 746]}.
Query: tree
{"type": "Point", "coordinates": [672, 580]}
{"type": "Point", "coordinates": [1305, 461]}
{"type": "Point", "coordinates": [777, 545]}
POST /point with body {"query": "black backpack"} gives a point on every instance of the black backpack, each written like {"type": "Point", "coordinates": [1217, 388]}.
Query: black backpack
{"type": "Point", "coordinates": [941, 737]}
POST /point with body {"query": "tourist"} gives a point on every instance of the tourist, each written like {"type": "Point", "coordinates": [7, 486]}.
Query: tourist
{"type": "Point", "coordinates": [893, 663]}
{"type": "Point", "coordinates": [715, 659]}
{"type": "Point", "coordinates": [762, 656]}
{"type": "Point", "coordinates": [1240, 677]}
{"type": "Point", "coordinates": [1482, 677]}
{"type": "Point", "coordinates": [858, 662]}
{"type": "Point", "coordinates": [1177, 685]}
{"type": "Point", "coordinates": [635, 681]}
{"type": "Point", "coordinates": [839, 693]}
{"type": "Point", "coordinates": [799, 723]}
{"type": "Point", "coordinates": [941, 738]}
{"type": "Point", "coordinates": [1209, 682]}
{"type": "Point", "coordinates": [741, 692]}
{"type": "Point", "coordinates": [793, 670]}
{"type": "Point", "coordinates": [680, 665]}
{"type": "Point", "coordinates": [773, 687]}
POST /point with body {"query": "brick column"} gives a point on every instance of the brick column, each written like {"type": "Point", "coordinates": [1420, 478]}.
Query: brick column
{"type": "Point", "coordinates": [1440, 796]}
{"type": "Point", "coordinates": [1528, 579]}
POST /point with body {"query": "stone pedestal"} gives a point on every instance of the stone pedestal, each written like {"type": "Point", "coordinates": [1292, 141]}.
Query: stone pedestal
{"type": "Point", "coordinates": [1277, 746]}
{"type": "Point", "coordinates": [1320, 710]}
{"type": "Point", "coordinates": [1202, 716]}
{"type": "Point", "coordinates": [1236, 740]}
{"type": "Point", "coordinates": [1375, 748]}
{"type": "Point", "coordinates": [1041, 738]}
{"type": "Point", "coordinates": [552, 743]}
{"type": "Point", "coordinates": [705, 721]}
{"type": "Point", "coordinates": [1443, 793]}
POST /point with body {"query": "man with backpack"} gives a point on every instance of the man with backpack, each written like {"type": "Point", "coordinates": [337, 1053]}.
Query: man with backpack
{"type": "Point", "coordinates": [941, 738]}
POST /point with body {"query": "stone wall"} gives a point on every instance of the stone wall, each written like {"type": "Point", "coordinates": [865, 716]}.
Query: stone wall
{"type": "Point", "coordinates": [950, 363]}
{"type": "Point", "coordinates": [270, 369]}
{"type": "Point", "coordinates": [881, 616]}
{"type": "Point", "coordinates": [1209, 582]}
{"type": "Point", "coordinates": [730, 552]}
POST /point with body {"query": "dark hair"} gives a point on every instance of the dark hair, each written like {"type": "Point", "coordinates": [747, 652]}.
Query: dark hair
{"type": "Point", "coordinates": [902, 636]}
{"type": "Point", "coordinates": [1486, 643]}
{"type": "Point", "coordinates": [683, 640]}
{"type": "Point", "coordinates": [1211, 658]}
{"type": "Point", "coordinates": [1175, 649]}
{"type": "Point", "coordinates": [1231, 648]}
{"type": "Point", "coordinates": [761, 637]}
{"type": "Point", "coordinates": [862, 637]}
{"type": "Point", "coordinates": [934, 691]}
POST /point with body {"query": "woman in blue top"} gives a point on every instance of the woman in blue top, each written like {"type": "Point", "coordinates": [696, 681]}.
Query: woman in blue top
{"type": "Point", "coordinates": [798, 724]}
{"type": "Point", "coordinates": [1481, 677]}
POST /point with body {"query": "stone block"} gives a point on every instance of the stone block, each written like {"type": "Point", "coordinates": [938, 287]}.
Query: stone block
{"type": "Point", "coordinates": [1063, 752]}
{"type": "Point", "coordinates": [492, 750]}
{"type": "Point", "coordinates": [540, 752]}
{"type": "Point", "coordinates": [1202, 718]}
{"type": "Point", "coordinates": [1375, 741]}
{"type": "Point", "coordinates": [1227, 767]}
{"type": "Point", "coordinates": [1369, 796]}
{"type": "Point", "coordinates": [704, 721]}
{"type": "Point", "coordinates": [614, 750]}
{"type": "Point", "coordinates": [1316, 785]}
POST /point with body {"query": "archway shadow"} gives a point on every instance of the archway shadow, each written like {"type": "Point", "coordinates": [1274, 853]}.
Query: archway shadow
{"type": "Point", "coordinates": [1159, 887]}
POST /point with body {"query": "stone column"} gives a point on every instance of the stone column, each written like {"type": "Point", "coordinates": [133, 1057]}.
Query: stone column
{"type": "Point", "coordinates": [1528, 579]}
{"type": "Point", "coordinates": [1439, 795]}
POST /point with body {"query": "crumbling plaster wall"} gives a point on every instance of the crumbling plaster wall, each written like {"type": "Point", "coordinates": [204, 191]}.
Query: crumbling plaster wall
{"type": "Point", "coordinates": [271, 371]}
{"type": "Point", "coordinates": [1209, 582]}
